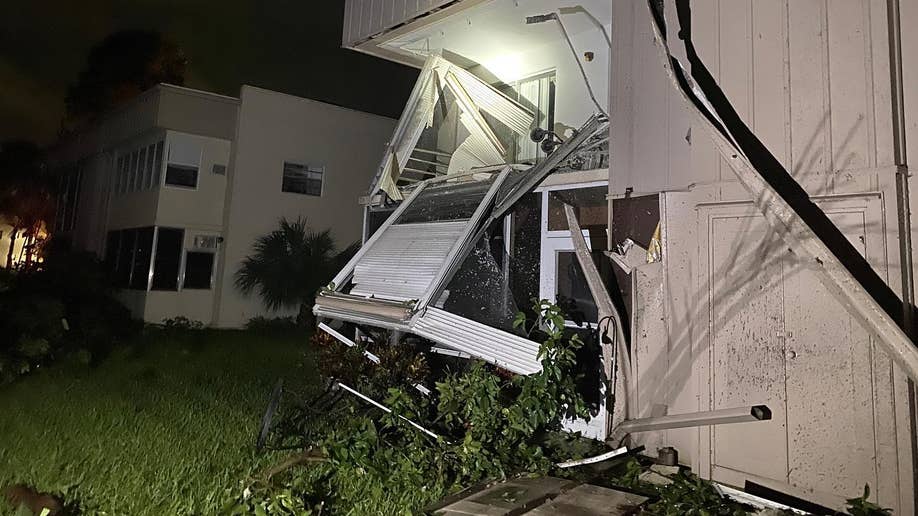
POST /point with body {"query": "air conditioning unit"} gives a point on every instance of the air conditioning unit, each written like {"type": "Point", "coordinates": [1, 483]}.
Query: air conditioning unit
{"type": "Point", "coordinates": [205, 241]}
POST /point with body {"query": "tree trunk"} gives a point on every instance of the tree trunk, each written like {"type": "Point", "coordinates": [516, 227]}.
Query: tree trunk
{"type": "Point", "coordinates": [9, 252]}
{"type": "Point", "coordinates": [305, 318]}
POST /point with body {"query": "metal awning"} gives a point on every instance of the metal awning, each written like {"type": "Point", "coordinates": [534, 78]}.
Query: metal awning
{"type": "Point", "coordinates": [398, 279]}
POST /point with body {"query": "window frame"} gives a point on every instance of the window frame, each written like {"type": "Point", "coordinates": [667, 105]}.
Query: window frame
{"type": "Point", "coordinates": [213, 268]}
{"type": "Point", "coordinates": [167, 162]}
{"type": "Point", "coordinates": [307, 168]}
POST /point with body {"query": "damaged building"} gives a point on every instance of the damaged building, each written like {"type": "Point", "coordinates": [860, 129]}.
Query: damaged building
{"type": "Point", "coordinates": [720, 188]}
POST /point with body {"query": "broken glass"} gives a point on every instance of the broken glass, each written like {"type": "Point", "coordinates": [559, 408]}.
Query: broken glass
{"type": "Point", "coordinates": [446, 201]}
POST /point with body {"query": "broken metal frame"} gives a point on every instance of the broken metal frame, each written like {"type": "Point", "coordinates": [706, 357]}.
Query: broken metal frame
{"type": "Point", "coordinates": [473, 95]}
{"type": "Point", "coordinates": [387, 410]}
{"type": "Point", "coordinates": [615, 354]}
{"type": "Point", "coordinates": [502, 348]}
{"type": "Point", "coordinates": [785, 213]}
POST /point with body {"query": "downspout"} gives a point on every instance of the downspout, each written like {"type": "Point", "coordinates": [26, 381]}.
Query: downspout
{"type": "Point", "coordinates": [903, 211]}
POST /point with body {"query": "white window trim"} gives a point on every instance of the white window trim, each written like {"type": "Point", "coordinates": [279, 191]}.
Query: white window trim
{"type": "Point", "coordinates": [309, 168]}
{"type": "Point", "coordinates": [167, 162]}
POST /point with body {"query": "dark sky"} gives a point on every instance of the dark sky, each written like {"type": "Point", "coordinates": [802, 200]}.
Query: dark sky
{"type": "Point", "coordinates": [291, 46]}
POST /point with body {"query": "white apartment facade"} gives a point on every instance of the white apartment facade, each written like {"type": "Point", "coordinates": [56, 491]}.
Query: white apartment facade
{"type": "Point", "coordinates": [726, 315]}
{"type": "Point", "coordinates": [173, 188]}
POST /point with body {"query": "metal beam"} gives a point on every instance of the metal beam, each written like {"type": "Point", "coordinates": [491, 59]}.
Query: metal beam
{"type": "Point", "coordinates": [708, 418]}
{"type": "Point", "coordinates": [613, 359]}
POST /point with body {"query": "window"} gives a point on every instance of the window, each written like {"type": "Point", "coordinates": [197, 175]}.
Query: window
{"type": "Point", "coordinates": [182, 175]}
{"type": "Point", "coordinates": [143, 248]}
{"type": "Point", "coordinates": [134, 182]}
{"type": "Point", "coordinates": [168, 258]}
{"type": "Point", "coordinates": [572, 292]}
{"type": "Point", "coordinates": [219, 170]}
{"type": "Point", "coordinates": [143, 174]}
{"type": "Point", "coordinates": [183, 161]}
{"type": "Point", "coordinates": [199, 267]}
{"type": "Point", "coordinates": [590, 206]}
{"type": "Point", "coordinates": [157, 163]}
{"type": "Point", "coordinates": [119, 174]}
{"type": "Point", "coordinates": [303, 179]}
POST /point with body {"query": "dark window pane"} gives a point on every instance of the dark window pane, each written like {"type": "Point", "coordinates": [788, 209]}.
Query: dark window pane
{"type": "Point", "coordinates": [198, 269]}
{"type": "Point", "coordinates": [158, 164]}
{"type": "Point", "coordinates": [168, 258]}
{"type": "Point", "coordinates": [142, 248]}
{"type": "Point", "coordinates": [134, 181]}
{"type": "Point", "coordinates": [182, 175]}
{"type": "Point", "coordinates": [302, 179]}
{"type": "Point", "coordinates": [111, 250]}
{"type": "Point", "coordinates": [589, 204]}
{"type": "Point", "coordinates": [452, 201]}
{"type": "Point", "coordinates": [125, 258]}
{"type": "Point", "coordinates": [573, 294]}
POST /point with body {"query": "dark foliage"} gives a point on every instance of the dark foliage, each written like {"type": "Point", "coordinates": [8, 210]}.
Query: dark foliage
{"type": "Point", "coordinates": [27, 195]}
{"type": "Point", "coordinates": [64, 306]}
{"type": "Point", "coordinates": [290, 264]}
{"type": "Point", "coordinates": [123, 65]}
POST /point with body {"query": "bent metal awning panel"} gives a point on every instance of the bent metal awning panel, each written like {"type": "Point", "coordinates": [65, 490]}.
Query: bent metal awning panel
{"type": "Point", "coordinates": [398, 280]}
{"type": "Point", "coordinates": [403, 264]}
{"type": "Point", "coordinates": [498, 347]}
{"type": "Point", "coordinates": [473, 96]}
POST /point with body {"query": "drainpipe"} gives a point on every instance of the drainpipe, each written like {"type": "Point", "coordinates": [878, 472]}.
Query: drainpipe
{"type": "Point", "coordinates": [904, 213]}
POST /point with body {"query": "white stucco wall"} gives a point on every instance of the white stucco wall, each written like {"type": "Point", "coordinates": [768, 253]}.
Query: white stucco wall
{"type": "Point", "coordinates": [274, 128]}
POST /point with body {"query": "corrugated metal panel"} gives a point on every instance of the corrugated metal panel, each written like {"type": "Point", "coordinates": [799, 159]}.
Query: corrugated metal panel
{"type": "Point", "coordinates": [489, 344]}
{"type": "Point", "coordinates": [513, 115]}
{"type": "Point", "coordinates": [366, 18]}
{"type": "Point", "coordinates": [405, 260]}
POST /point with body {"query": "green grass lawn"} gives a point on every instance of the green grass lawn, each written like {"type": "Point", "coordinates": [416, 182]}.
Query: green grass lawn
{"type": "Point", "coordinates": [163, 426]}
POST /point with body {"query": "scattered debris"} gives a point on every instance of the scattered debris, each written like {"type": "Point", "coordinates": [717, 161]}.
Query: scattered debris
{"type": "Point", "coordinates": [21, 495]}
{"type": "Point", "coordinates": [592, 460]}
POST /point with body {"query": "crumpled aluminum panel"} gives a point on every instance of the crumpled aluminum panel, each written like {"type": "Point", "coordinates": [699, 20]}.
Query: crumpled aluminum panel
{"type": "Point", "coordinates": [498, 347]}
{"type": "Point", "coordinates": [405, 260]}
{"type": "Point", "coordinates": [512, 114]}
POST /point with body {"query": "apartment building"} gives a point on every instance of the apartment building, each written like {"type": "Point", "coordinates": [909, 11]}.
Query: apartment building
{"type": "Point", "coordinates": [173, 188]}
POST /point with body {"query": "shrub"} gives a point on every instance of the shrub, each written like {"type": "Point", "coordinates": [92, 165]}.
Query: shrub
{"type": "Point", "coordinates": [272, 324]}
{"type": "Point", "coordinates": [182, 323]}
{"type": "Point", "coordinates": [489, 426]}
{"type": "Point", "coordinates": [64, 305]}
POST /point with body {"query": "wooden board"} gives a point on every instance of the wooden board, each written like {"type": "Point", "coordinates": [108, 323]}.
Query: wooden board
{"type": "Point", "coordinates": [590, 500]}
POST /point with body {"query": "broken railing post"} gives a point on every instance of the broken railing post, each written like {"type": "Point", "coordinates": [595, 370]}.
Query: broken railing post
{"type": "Point", "coordinates": [616, 384]}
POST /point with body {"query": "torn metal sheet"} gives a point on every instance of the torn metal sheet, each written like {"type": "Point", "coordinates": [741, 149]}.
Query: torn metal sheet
{"type": "Point", "coordinates": [786, 205]}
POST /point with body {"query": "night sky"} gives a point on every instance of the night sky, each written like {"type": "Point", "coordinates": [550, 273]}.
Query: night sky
{"type": "Point", "coordinates": [291, 46]}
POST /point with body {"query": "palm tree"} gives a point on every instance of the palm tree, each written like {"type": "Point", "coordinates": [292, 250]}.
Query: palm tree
{"type": "Point", "coordinates": [289, 265]}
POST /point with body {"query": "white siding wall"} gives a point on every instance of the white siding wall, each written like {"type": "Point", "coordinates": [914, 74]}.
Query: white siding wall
{"type": "Point", "coordinates": [274, 128]}
{"type": "Point", "coordinates": [364, 18]}
{"type": "Point", "coordinates": [811, 78]}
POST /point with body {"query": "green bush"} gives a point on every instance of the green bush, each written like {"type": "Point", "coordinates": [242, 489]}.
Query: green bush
{"type": "Point", "coordinates": [490, 425]}
{"type": "Point", "coordinates": [273, 325]}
